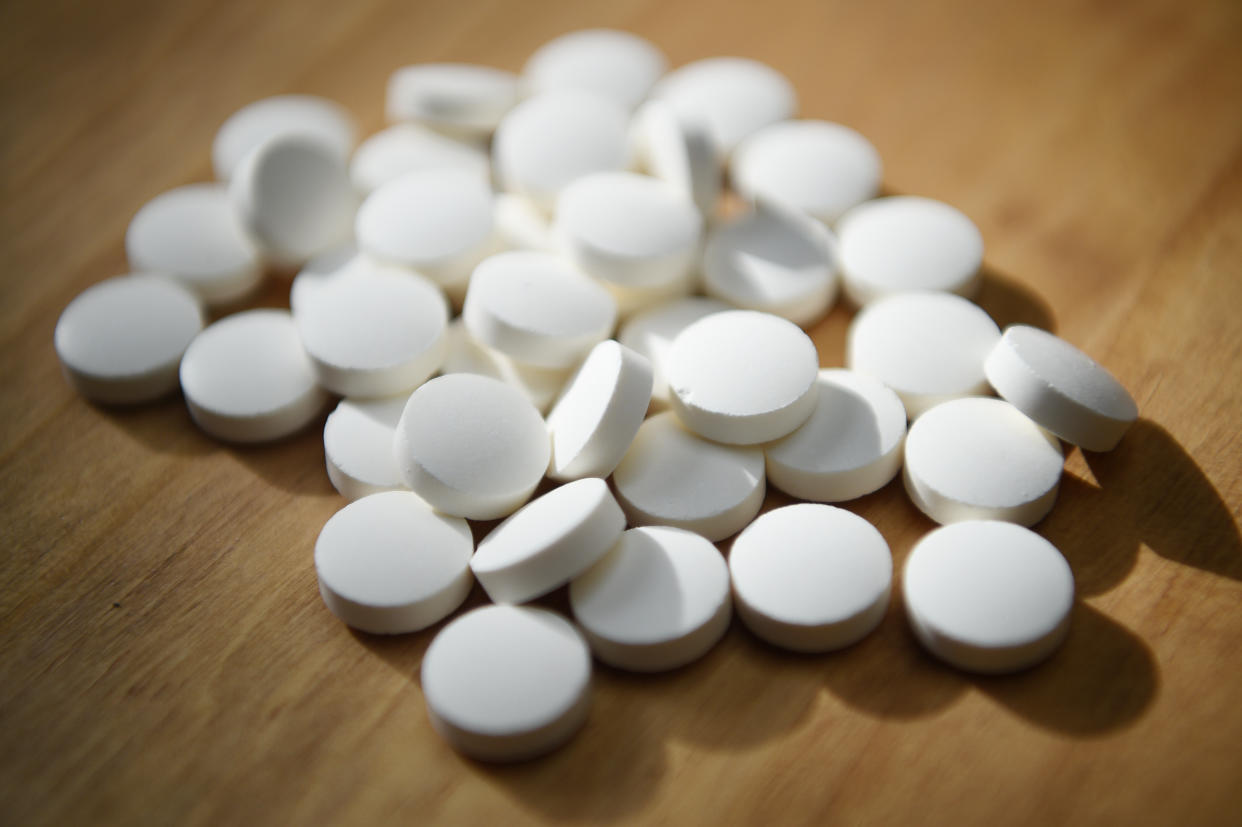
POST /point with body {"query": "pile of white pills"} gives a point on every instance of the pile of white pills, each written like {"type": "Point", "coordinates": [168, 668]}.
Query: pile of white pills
{"type": "Point", "coordinates": [529, 282]}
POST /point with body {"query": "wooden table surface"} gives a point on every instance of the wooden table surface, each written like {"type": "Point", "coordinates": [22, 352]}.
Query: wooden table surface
{"type": "Point", "coordinates": [165, 657]}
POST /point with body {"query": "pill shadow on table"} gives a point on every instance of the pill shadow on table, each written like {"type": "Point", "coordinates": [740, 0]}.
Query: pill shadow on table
{"type": "Point", "coordinates": [295, 463]}
{"type": "Point", "coordinates": [1010, 301]}
{"type": "Point", "coordinates": [163, 426]}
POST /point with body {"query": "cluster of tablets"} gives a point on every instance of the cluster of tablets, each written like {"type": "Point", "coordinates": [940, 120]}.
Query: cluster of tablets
{"type": "Point", "coordinates": [557, 207]}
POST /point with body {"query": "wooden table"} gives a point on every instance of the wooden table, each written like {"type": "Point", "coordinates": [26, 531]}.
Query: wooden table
{"type": "Point", "coordinates": [165, 657]}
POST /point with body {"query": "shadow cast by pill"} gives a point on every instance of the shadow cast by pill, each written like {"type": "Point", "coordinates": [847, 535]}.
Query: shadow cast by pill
{"type": "Point", "coordinates": [163, 426]}
{"type": "Point", "coordinates": [294, 464]}
{"type": "Point", "coordinates": [1009, 301]}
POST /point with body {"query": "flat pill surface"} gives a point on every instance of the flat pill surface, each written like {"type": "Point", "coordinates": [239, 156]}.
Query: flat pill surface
{"type": "Point", "coordinates": [988, 596]}
{"type": "Point", "coordinates": [357, 446]}
{"type": "Point", "coordinates": [120, 341]}
{"type": "Point", "coordinates": [406, 147]}
{"type": "Point", "coordinates": [615, 64]}
{"type": "Point", "coordinates": [679, 153]}
{"type": "Point", "coordinates": [388, 564]}
{"type": "Point", "coordinates": [811, 578]}
{"type": "Point", "coordinates": [457, 98]}
{"type": "Point", "coordinates": [981, 459]}
{"type": "Point", "coordinates": [657, 600]}
{"type": "Point", "coordinates": [1060, 387]}
{"type": "Point", "coordinates": [325, 122]}
{"type": "Point", "coordinates": [652, 332]}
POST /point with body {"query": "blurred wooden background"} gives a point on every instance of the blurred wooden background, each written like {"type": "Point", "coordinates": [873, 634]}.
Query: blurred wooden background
{"type": "Point", "coordinates": [164, 655]}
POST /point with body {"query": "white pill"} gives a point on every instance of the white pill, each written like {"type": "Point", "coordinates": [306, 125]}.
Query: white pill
{"type": "Point", "coordinates": [817, 167]}
{"type": "Point", "coordinates": [294, 197]}
{"type": "Point", "coordinates": [811, 578]}
{"type": "Point", "coordinates": [682, 154]}
{"type": "Point", "coordinates": [981, 459]}
{"type": "Point", "coordinates": [520, 224]}
{"type": "Point", "coordinates": [341, 262]}
{"type": "Point", "coordinates": [552, 139]}
{"type": "Point", "coordinates": [928, 347]}
{"type": "Point", "coordinates": [1060, 387]}
{"type": "Point", "coordinates": [120, 341]}
{"type": "Point", "coordinates": [357, 446]}
{"type": "Point", "coordinates": [537, 309]}
{"type": "Point", "coordinates": [615, 64]}
{"type": "Point", "coordinates": [742, 377]}
{"type": "Point", "coordinates": [658, 599]}
{"type": "Point", "coordinates": [194, 234]}
{"type": "Point", "coordinates": [733, 96]}
{"type": "Point", "coordinates": [471, 446]}
{"type": "Point", "coordinates": [388, 564]}
{"type": "Point", "coordinates": [594, 421]}
{"type": "Point", "coordinates": [988, 596]}
{"type": "Point", "coordinates": [774, 260]}
{"type": "Point", "coordinates": [901, 243]}
{"type": "Point", "coordinates": [652, 332]}
{"type": "Point", "coordinates": [455, 98]}
{"type": "Point", "coordinates": [507, 683]}
{"type": "Point", "coordinates": [325, 122]}
{"type": "Point", "coordinates": [548, 542]}
{"type": "Point", "coordinates": [540, 385]}
{"type": "Point", "coordinates": [672, 477]}
{"type": "Point", "coordinates": [633, 300]}
{"type": "Point", "coordinates": [246, 378]}
{"type": "Point", "coordinates": [849, 447]}
{"type": "Point", "coordinates": [407, 147]}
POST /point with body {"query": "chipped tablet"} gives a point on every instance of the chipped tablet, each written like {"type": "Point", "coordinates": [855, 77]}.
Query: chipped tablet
{"type": "Point", "coordinates": [357, 446]}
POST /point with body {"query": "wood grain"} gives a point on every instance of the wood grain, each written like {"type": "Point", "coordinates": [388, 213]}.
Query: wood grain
{"type": "Point", "coordinates": [164, 655]}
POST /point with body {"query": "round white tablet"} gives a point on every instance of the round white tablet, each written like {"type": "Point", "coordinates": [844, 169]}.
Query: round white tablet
{"type": "Point", "coordinates": [341, 262]}
{"type": "Point", "coordinates": [811, 578]}
{"type": "Point", "coordinates": [657, 600]}
{"type": "Point", "coordinates": [325, 122]}
{"type": "Point", "coordinates": [652, 332]}
{"type": "Point", "coordinates": [774, 260]}
{"type": "Point", "coordinates": [1060, 387]}
{"type": "Point", "coordinates": [928, 347]}
{"type": "Point", "coordinates": [246, 378]}
{"type": "Point", "coordinates": [456, 98]}
{"type": "Point", "coordinates": [520, 224]}
{"type": "Point", "coordinates": [594, 421]}
{"type": "Point", "coordinates": [817, 167]}
{"type": "Point", "coordinates": [633, 300]}
{"type": "Point", "coordinates": [742, 377]}
{"type": "Point", "coordinates": [407, 147]}
{"type": "Point", "coordinates": [507, 683]}
{"type": "Point", "coordinates": [471, 446]}
{"type": "Point", "coordinates": [194, 234]}
{"type": "Point", "coordinates": [679, 153]}
{"type": "Point", "coordinates": [672, 477]}
{"type": "Point", "coordinates": [981, 459]}
{"type": "Point", "coordinates": [540, 385]}
{"type": "Point", "coordinates": [615, 64]}
{"type": "Point", "coordinates": [548, 542]}
{"type": "Point", "coordinates": [849, 447]}
{"type": "Point", "coordinates": [732, 96]}
{"type": "Point", "coordinates": [537, 309]}
{"type": "Point", "coordinates": [904, 242]}
{"type": "Point", "coordinates": [120, 341]}
{"type": "Point", "coordinates": [387, 564]}
{"type": "Point", "coordinates": [357, 446]}
{"type": "Point", "coordinates": [552, 139]}
{"type": "Point", "coordinates": [988, 596]}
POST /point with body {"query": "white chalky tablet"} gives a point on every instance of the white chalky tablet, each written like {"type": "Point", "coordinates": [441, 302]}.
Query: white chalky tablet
{"type": "Point", "coordinates": [988, 596]}
{"type": "Point", "coordinates": [194, 234]}
{"type": "Point", "coordinates": [552, 139]}
{"type": "Point", "coordinates": [471, 446]}
{"type": "Point", "coordinates": [507, 683]}
{"type": "Point", "coordinates": [1060, 387]}
{"type": "Point", "coordinates": [732, 96]}
{"type": "Point", "coordinates": [811, 578]}
{"type": "Point", "coordinates": [247, 378]}
{"type": "Point", "coordinates": [357, 446]}
{"type": "Point", "coordinates": [323, 121]}
{"type": "Point", "coordinates": [406, 147]}
{"type": "Point", "coordinates": [774, 260]}
{"type": "Point", "coordinates": [615, 64]}
{"type": "Point", "coordinates": [928, 347]}
{"type": "Point", "coordinates": [520, 224]}
{"type": "Point", "coordinates": [633, 300]}
{"type": "Point", "coordinates": [537, 309]}
{"type": "Point", "coordinates": [905, 242]}
{"type": "Point", "coordinates": [817, 167]}
{"type": "Point", "coordinates": [594, 421]}
{"type": "Point", "coordinates": [849, 447]}
{"type": "Point", "coordinates": [548, 542]}
{"type": "Point", "coordinates": [388, 564]}
{"type": "Point", "coordinates": [540, 385]}
{"type": "Point", "coordinates": [657, 600]}
{"type": "Point", "coordinates": [680, 153]}
{"type": "Point", "coordinates": [294, 197]}
{"type": "Point", "coordinates": [652, 332]}
{"type": "Point", "coordinates": [981, 459]}
{"type": "Point", "coordinates": [455, 98]}
{"type": "Point", "coordinates": [672, 477]}
{"type": "Point", "coordinates": [120, 341]}
{"type": "Point", "coordinates": [341, 262]}
{"type": "Point", "coordinates": [742, 377]}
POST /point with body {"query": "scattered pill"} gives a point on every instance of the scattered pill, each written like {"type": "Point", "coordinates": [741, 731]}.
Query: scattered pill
{"type": "Point", "coordinates": [652, 332]}
{"type": "Point", "coordinates": [455, 98]}
{"type": "Point", "coordinates": [540, 385]}
{"type": "Point", "coordinates": [681, 154]}
{"type": "Point", "coordinates": [323, 121]}
{"type": "Point", "coordinates": [406, 147]}
{"type": "Point", "coordinates": [342, 261]}
{"type": "Point", "coordinates": [608, 62]}
{"type": "Point", "coordinates": [357, 446]}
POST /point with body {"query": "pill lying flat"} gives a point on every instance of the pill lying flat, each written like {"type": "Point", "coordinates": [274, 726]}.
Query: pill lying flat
{"type": "Point", "coordinates": [651, 333]}
{"type": "Point", "coordinates": [540, 385]}
{"type": "Point", "coordinates": [616, 64]}
{"type": "Point", "coordinates": [456, 98]}
{"type": "Point", "coordinates": [325, 122]}
{"type": "Point", "coordinates": [357, 446]}
{"type": "Point", "coordinates": [406, 147]}
{"type": "Point", "coordinates": [988, 596]}
{"type": "Point", "coordinates": [679, 153]}
{"type": "Point", "coordinates": [388, 564]}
